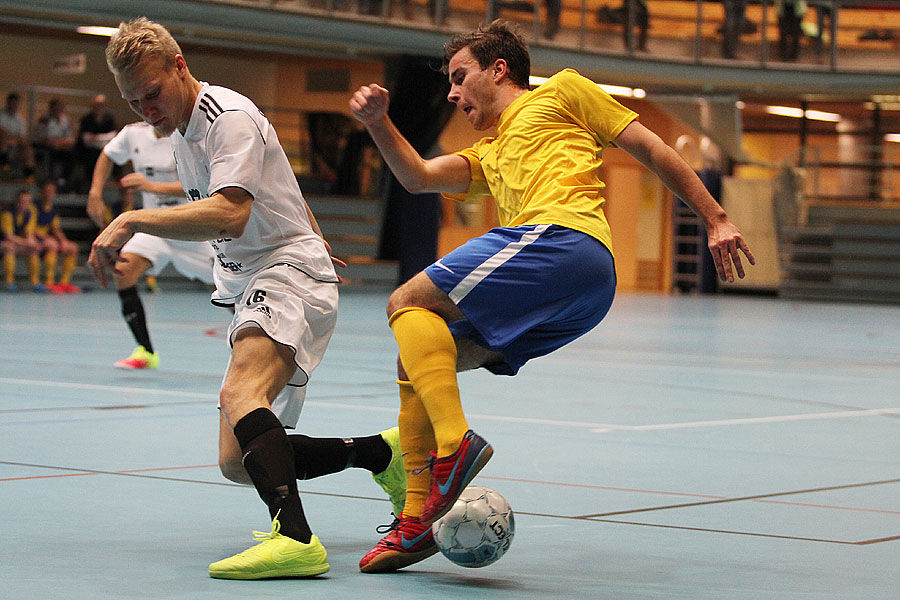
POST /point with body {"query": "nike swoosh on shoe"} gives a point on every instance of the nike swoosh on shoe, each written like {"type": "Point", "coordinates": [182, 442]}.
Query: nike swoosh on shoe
{"type": "Point", "coordinates": [407, 544]}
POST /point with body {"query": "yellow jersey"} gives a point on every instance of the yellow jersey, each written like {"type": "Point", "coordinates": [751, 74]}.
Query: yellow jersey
{"type": "Point", "coordinates": [542, 167]}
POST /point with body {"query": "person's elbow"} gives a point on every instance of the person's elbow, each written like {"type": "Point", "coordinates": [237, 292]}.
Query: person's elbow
{"type": "Point", "coordinates": [234, 221]}
{"type": "Point", "coordinates": [232, 207]}
{"type": "Point", "coordinates": [415, 186]}
{"type": "Point", "coordinates": [234, 224]}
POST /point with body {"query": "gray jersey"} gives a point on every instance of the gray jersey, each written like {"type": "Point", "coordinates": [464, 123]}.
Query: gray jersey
{"type": "Point", "coordinates": [230, 143]}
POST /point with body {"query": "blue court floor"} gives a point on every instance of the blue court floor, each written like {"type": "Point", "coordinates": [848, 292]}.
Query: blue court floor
{"type": "Point", "coordinates": [690, 447]}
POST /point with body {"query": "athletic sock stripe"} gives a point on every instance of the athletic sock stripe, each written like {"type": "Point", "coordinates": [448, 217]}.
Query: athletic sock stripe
{"type": "Point", "coordinates": [491, 264]}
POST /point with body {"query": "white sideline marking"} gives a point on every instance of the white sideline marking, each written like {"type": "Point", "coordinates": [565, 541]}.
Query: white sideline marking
{"type": "Point", "coordinates": [592, 427]}
{"type": "Point", "coordinates": [844, 414]}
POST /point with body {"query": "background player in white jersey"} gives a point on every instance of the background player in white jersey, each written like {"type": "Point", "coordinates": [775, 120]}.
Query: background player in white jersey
{"type": "Point", "coordinates": [155, 176]}
{"type": "Point", "coordinates": [272, 265]}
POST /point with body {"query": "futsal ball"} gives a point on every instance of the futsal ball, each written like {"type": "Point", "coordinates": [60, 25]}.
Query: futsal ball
{"type": "Point", "coordinates": [478, 529]}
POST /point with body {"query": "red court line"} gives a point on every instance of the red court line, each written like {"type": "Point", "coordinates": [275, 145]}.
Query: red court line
{"type": "Point", "coordinates": [878, 541]}
{"type": "Point", "coordinates": [722, 498]}
{"type": "Point", "coordinates": [83, 473]}
{"type": "Point", "coordinates": [579, 518]}
{"type": "Point", "coordinates": [532, 481]}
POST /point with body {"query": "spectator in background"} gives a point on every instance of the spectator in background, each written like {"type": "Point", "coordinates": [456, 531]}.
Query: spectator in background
{"type": "Point", "coordinates": [733, 26]}
{"type": "Point", "coordinates": [553, 7]}
{"type": "Point", "coordinates": [790, 14]}
{"type": "Point", "coordinates": [823, 11]}
{"type": "Point", "coordinates": [619, 16]}
{"type": "Point", "coordinates": [96, 129]}
{"type": "Point", "coordinates": [17, 224]}
{"type": "Point", "coordinates": [53, 241]}
{"type": "Point", "coordinates": [14, 146]}
{"type": "Point", "coordinates": [554, 10]}
{"type": "Point", "coordinates": [54, 142]}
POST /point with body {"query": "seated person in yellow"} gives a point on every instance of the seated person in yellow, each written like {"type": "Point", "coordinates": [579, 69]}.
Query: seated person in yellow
{"type": "Point", "coordinates": [54, 242]}
{"type": "Point", "coordinates": [17, 224]}
{"type": "Point", "coordinates": [522, 290]}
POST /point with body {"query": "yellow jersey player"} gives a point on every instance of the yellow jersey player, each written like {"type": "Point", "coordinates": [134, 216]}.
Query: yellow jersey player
{"type": "Point", "coordinates": [54, 242]}
{"type": "Point", "coordinates": [17, 224]}
{"type": "Point", "coordinates": [522, 290]}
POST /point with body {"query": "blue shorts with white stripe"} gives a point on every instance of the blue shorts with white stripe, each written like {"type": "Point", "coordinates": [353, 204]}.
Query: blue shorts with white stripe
{"type": "Point", "coordinates": [528, 290]}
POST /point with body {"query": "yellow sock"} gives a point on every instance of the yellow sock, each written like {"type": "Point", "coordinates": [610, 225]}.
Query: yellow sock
{"type": "Point", "coordinates": [417, 441]}
{"type": "Point", "coordinates": [49, 267]}
{"type": "Point", "coordinates": [34, 269]}
{"type": "Point", "coordinates": [68, 266]}
{"type": "Point", "coordinates": [9, 267]}
{"type": "Point", "coordinates": [428, 354]}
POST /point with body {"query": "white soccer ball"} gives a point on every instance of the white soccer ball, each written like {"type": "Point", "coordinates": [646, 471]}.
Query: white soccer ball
{"type": "Point", "coordinates": [478, 529]}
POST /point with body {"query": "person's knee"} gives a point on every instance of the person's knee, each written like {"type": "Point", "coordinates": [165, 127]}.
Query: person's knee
{"type": "Point", "coordinates": [233, 470]}
{"type": "Point", "coordinates": [397, 300]}
{"type": "Point", "coordinates": [130, 271]}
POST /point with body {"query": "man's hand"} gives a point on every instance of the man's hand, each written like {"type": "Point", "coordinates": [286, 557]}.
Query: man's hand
{"type": "Point", "coordinates": [134, 181]}
{"type": "Point", "coordinates": [725, 242]}
{"type": "Point", "coordinates": [96, 209]}
{"type": "Point", "coordinates": [369, 104]}
{"type": "Point", "coordinates": [105, 249]}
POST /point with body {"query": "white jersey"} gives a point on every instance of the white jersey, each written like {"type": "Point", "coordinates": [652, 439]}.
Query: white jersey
{"type": "Point", "coordinates": [150, 155]}
{"type": "Point", "coordinates": [12, 123]}
{"type": "Point", "coordinates": [230, 143]}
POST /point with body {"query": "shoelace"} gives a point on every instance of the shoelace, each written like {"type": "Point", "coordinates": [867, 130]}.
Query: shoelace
{"type": "Point", "coordinates": [262, 536]}
{"type": "Point", "coordinates": [429, 464]}
{"type": "Point", "coordinates": [385, 528]}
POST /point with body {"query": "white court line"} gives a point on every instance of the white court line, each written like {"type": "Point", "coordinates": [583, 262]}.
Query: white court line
{"type": "Point", "coordinates": [592, 427]}
{"type": "Point", "coordinates": [844, 414]}
{"type": "Point", "coordinates": [108, 388]}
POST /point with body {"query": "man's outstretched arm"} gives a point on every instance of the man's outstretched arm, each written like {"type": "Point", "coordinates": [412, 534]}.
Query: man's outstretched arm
{"type": "Point", "coordinates": [725, 239]}
{"type": "Point", "coordinates": [448, 173]}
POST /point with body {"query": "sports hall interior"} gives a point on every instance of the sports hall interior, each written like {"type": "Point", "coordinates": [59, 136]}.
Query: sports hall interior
{"type": "Point", "coordinates": [708, 440]}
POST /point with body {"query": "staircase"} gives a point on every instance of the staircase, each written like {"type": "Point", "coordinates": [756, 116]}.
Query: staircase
{"type": "Point", "coordinates": [352, 227]}
{"type": "Point", "coordinates": [839, 251]}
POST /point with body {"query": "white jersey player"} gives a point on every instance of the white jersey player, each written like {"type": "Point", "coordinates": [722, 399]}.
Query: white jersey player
{"type": "Point", "coordinates": [278, 244]}
{"type": "Point", "coordinates": [272, 266]}
{"type": "Point", "coordinates": [155, 176]}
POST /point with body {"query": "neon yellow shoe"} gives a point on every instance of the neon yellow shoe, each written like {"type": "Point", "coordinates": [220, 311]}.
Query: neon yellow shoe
{"type": "Point", "coordinates": [275, 556]}
{"type": "Point", "coordinates": [393, 479]}
{"type": "Point", "coordinates": [139, 359]}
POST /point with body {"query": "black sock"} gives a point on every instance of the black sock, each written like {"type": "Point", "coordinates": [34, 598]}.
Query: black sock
{"type": "Point", "coordinates": [133, 311]}
{"type": "Point", "coordinates": [268, 460]}
{"type": "Point", "coordinates": [314, 457]}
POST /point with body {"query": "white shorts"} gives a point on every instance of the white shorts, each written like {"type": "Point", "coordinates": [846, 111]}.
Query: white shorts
{"type": "Point", "coordinates": [296, 311]}
{"type": "Point", "coordinates": [194, 260]}
{"type": "Point", "coordinates": [287, 404]}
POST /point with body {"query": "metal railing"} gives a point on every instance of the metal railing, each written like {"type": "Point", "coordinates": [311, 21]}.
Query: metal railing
{"type": "Point", "coordinates": [833, 34]}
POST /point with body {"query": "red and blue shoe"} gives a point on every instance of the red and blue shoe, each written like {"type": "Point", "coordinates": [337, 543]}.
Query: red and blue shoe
{"type": "Point", "coordinates": [451, 474]}
{"type": "Point", "coordinates": [407, 542]}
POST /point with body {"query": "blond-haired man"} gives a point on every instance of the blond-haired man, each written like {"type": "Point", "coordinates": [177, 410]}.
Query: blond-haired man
{"type": "Point", "coordinates": [272, 266]}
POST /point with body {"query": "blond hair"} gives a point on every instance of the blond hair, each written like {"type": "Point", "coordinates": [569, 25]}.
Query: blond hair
{"type": "Point", "coordinates": [137, 40]}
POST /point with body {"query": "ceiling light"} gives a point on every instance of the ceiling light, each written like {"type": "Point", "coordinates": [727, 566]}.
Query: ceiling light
{"type": "Point", "coordinates": [815, 115]}
{"type": "Point", "coordinates": [892, 137]}
{"type": "Point", "coordinates": [95, 30]}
